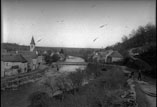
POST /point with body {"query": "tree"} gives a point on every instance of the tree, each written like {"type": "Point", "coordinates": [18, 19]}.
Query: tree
{"type": "Point", "coordinates": [93, 69]}
{"type": "Point", "coordinates": [48, 59]}
{"type": "Point", "coordinates": [55, 57]}
{"type": "Point", "coordinates": [49, 52]}
{"type": "Point", "coordinates": [62, 84]}
{"type": "Point", "coordinates": [76, 79]}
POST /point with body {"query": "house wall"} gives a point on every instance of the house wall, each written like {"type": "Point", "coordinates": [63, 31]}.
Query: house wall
{"type": "Point", "coordinates": [21, 65]}
{"type": "Point", "coordinates": [34, 64]}
{"type": "Point", "coordinates": [40, 59]}
{"type": "Point", "coordinates": [10, 72]}
{"type": "Point", "coordinates": [115, 59]}
{"type": "Point", "coordinates": [8, 65]}
{"type": "Point", "coordinates": [109, 59]}
{"type": "Point", "coordinates": [24, 67]}
{"type": "Point", "coordinates": [107, 55]}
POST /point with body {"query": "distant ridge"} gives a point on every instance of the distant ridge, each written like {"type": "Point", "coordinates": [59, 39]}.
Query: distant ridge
{"type": "Point", "coordinates": [14, 44]}
{"type": "Point", "coordinates": [67, 50]}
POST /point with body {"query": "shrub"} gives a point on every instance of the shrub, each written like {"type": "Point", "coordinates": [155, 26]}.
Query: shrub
{"type": "Point", "coordinates": [39, 99]}
{"type": "Point", "coordinates": [93, 69]}
{"type": "Point", "coordinates": [76, 79]}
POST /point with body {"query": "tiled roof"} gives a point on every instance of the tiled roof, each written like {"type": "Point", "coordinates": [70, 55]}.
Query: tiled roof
{"type": "Point", "coordinates": [28, 55]}
{"type": "Point", "coordinates": [13, 58]}
{"type": "Point", "coordinates": [105, 53]}
{"type": "Point", "coordinates": [116, 54]}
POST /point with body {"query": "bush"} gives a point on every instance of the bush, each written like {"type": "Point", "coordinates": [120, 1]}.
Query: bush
{"type": "Point", "coordinates": [93, 69]}
{"type": "Point", "coordinates": [39, 99]}
{"type": "Point", "coordinates": [76, 79]}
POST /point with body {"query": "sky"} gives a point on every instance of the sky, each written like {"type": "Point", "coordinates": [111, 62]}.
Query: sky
{"type": "Point", "coordinates": [73, 23]}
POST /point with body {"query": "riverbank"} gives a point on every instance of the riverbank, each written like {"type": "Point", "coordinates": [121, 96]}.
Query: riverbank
{"type": "Point", "coordinates": [145, 89]}
{"type": "Point", "coordinates": [105, 89]}
{"type": "Point", "coordinates": [19, 97]}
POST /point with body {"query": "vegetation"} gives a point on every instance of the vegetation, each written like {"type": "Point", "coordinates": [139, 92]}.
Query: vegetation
{"type": "Point", "coordinates": [103, 91]}
{"type": "Point", "coordinates": [150, 57]}
{"type": "Point", "coordinates": [49, 59]}
{"type": "Point", "coordinates": [76, 79]}
{"type": "Point", "coordinates": [67, 51]}
{"type": "Point", "coordinates": [145, 39]}
{"type": "Point", "coordinates": [143, 36]}
{"type": "Point", "coordinates": [39, 99]}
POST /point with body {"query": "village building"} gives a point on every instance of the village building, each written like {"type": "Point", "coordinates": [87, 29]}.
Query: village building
{"type": "Point", "coordinates": [96, 57]}
{"type": "Point", "coordinates": [3, 51]}
{"type": "Point", "coordinates": [107, 56]}
{"type": "Point", "coordinates": [31, 58]}
{"type": "Point", "coordinates": [115, 56]}
{"type": "Point", "coordinates": [26, 61]}
{"type": "Point", "coordinates": [12, 65]}
{"type": "Point", "coordinates": [40, 60]}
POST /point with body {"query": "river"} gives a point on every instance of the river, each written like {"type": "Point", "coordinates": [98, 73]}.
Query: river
{"type": "Point", "coordinates": [19, 98]}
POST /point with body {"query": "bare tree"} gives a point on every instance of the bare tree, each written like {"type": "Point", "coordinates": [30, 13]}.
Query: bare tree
{"type": "Point", "coordinates": [76, 79]}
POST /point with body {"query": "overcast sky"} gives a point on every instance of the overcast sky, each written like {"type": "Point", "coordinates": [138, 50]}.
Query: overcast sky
{"type": "Point", "coordinates": [73, 23]}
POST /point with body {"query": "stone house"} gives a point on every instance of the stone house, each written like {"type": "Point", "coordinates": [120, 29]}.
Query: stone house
{"type": "Point", "coordinates": [31, 58]}
{"type": "Point", "coordinates": [13, 64]}
{"type": "Point", "coordinates": [107, 56]}
{"type": "Point", "coordinates": [115, 56]}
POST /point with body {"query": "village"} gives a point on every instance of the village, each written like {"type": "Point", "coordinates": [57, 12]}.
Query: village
{"type": "Point", "coordinates": [19, 68]}
{"type": "Point", "coordinates": [17, 63]}
{"type": "Point", "coordinates": [71, 53]}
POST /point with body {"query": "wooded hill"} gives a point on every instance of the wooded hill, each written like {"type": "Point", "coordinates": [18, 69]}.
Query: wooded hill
{"type": "Point", "coordinates": [145, 38]}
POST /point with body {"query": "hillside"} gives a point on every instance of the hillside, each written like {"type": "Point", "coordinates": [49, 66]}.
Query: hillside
{"type": "Point", "coordinates": [144, 36]}
{"type": "Point", "coordinates": [143, 41]}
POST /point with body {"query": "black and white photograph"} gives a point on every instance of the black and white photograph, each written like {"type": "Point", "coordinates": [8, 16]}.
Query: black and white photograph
{"type": "Point", "coordinates": [78, 53]}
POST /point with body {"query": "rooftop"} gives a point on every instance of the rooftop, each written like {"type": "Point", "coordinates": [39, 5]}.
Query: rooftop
{"type": "Point", "coordinates": [13, 58]}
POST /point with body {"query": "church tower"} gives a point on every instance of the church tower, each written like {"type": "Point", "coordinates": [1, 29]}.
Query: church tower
{"type": "Point", "coordinates": [32, 45]}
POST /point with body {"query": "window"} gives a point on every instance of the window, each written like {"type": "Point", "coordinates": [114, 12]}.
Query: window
{"type": "Point", "coordinates": [15, 67]}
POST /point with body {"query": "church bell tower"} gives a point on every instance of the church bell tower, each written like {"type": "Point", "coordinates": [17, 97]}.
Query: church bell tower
{"type": "Point", "coordinates": [32, 44]}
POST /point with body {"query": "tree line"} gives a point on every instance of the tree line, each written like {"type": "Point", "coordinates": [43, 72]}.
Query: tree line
{"type": "Point", "coordinates": [143, 36]}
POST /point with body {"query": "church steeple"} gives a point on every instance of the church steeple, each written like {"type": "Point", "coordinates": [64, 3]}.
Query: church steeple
{"type": "Point", "coordinates": [32, 44]}
{"type": "Point", "coordinates": [32, 41]}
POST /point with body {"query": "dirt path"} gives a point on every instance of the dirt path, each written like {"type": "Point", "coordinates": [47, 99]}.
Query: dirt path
{"type": "Point", "coordinates": [149, 92]}
{"type": "Point", "coordinates": [140, 97]}
{"type": "Point", "coordinates": [145, 91]}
